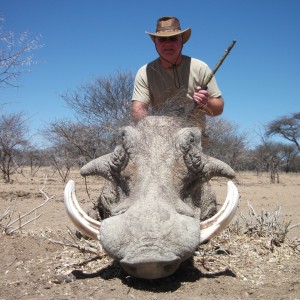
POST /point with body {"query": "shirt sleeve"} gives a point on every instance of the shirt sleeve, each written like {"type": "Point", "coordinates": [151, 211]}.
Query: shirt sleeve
{"type": "Point", "coordinates": [141, 88]}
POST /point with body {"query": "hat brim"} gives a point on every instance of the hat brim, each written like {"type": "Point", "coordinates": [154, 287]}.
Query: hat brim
{"type": "Point", "coordinates": [186, 34]}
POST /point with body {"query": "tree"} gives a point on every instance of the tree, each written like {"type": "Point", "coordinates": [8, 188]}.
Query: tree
{"type": "Point", "coordinates": [82, 141]}
{"type": "Point", "coordinates": [31, 157]}
{"type": "Point", "coordinates": [288, 154]}
{"type": "Point", "coordinates": [266, 158]}
{"type": "Point", "coordinates": [226, 142]}
{"type": "Point", "coordinates": [106, 102]}
{"type": "Point", "coordinates": [15, 55]}
{"type": "Point", "coordinates": [101, 108]}
{"type": "Point", "coordinates": [287, 127]}
{"type": "Point", "coordinates": [13, 131]}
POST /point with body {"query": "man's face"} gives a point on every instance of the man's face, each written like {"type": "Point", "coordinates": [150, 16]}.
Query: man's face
{"type": "Point", "coordinates": [169, 47]}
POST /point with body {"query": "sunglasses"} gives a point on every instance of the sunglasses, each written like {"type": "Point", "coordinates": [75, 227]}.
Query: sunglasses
{"type": "Point", "coordinates": [171, 39]}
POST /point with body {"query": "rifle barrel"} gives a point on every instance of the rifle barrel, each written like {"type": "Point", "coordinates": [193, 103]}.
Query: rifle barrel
{"type": "Point", "coordinates": [215, 69]}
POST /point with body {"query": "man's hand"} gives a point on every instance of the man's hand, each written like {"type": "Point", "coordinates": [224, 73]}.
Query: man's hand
{"type": "Point", "coordinates": [200, 97]}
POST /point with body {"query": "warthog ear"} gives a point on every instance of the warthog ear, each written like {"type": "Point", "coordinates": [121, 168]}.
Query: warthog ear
{"type": "Point", "coordinates": [99, 166]}
{"type": "Point", "coordinates": [117, 160]}
{"type": "Point", "coordinates": [205, 167]}
{"type": "Point", "coordinates": [212, 167]}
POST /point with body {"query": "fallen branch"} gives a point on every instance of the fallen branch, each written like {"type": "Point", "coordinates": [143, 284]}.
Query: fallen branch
{"type": "Point", "coordinates": [293, 226]}
{"type": "Point", "coordinates": [7, 229]}
{"type": "Point", "coordinates": [83, 245]}
{"type": "Point", "coordinates": [4, 215]}
{"type": "Point", "coordinates": [28, 213]}
{"type": "Point", "coordinates": [22, 225]}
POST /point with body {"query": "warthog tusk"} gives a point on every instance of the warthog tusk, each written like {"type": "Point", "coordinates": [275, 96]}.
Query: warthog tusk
{"type": "Point", "coordinates": [213, 226]}
{"type": "Point", "coordinates": [208, 228]}
{"type": "Point", "coordinates": [83, 222]}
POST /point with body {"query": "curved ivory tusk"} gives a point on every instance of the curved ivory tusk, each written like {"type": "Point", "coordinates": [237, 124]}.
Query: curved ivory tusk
{"type": "Point", "coordinates": [213, 226]}
{"type": "Point", "coordinates": [83, 222]}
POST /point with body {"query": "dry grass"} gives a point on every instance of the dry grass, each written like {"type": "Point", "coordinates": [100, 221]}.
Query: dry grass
{"type": "Point", "coordinates": [252, 246]}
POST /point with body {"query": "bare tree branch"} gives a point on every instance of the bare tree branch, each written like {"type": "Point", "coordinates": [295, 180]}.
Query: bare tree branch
{"type": "Point", "coordinates": [15, 55]}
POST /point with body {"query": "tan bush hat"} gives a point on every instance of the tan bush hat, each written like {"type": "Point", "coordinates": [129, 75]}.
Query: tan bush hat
{"type": "Point", "coordinates": [170, 26]}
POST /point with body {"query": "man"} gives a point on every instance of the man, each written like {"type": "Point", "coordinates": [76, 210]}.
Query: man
{"type": "Point", "coordinates": [175, 78]}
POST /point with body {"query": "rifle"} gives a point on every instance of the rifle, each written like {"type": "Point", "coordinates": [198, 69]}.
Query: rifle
{"type": "Point", "coordinates": [191, 106]}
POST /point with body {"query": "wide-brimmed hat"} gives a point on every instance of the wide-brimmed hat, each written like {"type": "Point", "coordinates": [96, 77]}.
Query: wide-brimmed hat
{"type": "Point", "coordinates": [170, 26]}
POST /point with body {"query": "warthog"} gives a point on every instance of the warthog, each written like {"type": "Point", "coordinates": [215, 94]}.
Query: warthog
{"type": "Point", "coordinates": [158, 197]}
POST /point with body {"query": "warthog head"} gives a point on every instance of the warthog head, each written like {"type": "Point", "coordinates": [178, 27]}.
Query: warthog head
{"type": "Point", "coordinates": [161, 177]}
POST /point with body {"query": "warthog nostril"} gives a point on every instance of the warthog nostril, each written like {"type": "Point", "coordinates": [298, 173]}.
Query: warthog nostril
{"type": "Point", "coordinates": [130, 269]}
{"type": "Point", "coordinates": [157, 268]}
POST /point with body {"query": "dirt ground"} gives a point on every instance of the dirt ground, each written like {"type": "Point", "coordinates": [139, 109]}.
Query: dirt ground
{"type": "Point", "coordinates": [231, 266]}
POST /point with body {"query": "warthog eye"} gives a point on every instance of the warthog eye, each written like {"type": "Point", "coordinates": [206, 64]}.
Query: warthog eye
{"type": "Point", "coordinates": [122, 153]}
{"type": "Point", "coordinates": [129, 136]}
{"type": "Point", "coordinates": [119, 159]}
{"type": "Point", "coordinates": [189, 143]}
{"type": "Point", "coordinates": [188, 137]}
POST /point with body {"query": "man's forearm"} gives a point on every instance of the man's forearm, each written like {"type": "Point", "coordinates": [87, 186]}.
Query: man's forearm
{"type": "Point", "coordinates": [214, 106]}
{"type": "Point", "coordinates": [139, 110]}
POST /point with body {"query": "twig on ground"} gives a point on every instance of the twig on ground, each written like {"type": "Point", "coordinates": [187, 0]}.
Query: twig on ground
{"type": "Point", "coordinates": [7, 229]}
{"type": "Point", "coordinates": [4, 215]}
{"type": "Point", "coordinates": [22, 225]}
{"type": "Point", "coordinates": [83, 245]}
{"type": "Point", "coordinates": [293, 226]}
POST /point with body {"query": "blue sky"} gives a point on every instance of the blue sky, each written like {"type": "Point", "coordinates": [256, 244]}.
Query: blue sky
{"type": "Point", "coordinates": [87, 38]}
